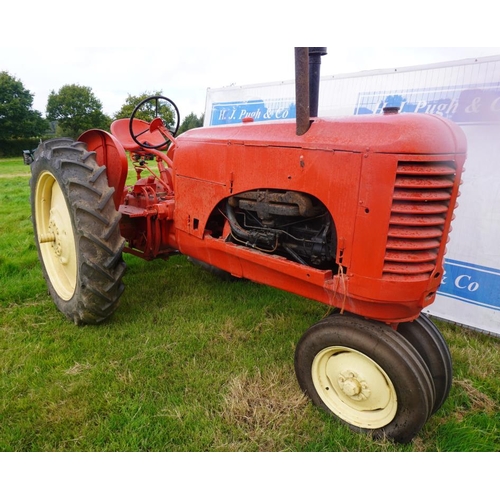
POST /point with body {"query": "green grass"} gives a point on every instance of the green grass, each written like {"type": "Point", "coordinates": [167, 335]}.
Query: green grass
{"type": "Point", "coordinates": [188, 363]}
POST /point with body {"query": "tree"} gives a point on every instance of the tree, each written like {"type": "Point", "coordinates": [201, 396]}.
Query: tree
{"type": "Point", "coordinates": [155, 106]}
{"type": "Point", "coordinates": [17, 118]}
{"type": "Point", "coordinates": [76, 109]}
{"type": "Point", "coordinates": [191, 121]}
{"type": "Point", "coordinates": [149, 111]}
{"type": "Point", "coordinates": [131, 102]}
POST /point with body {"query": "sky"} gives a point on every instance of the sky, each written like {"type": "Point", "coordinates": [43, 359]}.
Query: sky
{"type": "Point", "coordinates": [184, 48]}
{"type": "Point", "coordinates": [184, 73]}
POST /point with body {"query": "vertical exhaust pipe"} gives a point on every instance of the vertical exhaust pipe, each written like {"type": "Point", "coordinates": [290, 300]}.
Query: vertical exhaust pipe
{"type": "Point", "coordinates": [307, 78]}
{"type": "Point", "coordinates": [302, 112]}
{"type": "Point", "coordinates": [315, 54]}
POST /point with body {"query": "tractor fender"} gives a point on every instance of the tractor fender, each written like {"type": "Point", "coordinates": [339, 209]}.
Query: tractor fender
{"type": "Point", "coordinates": [110, 153]}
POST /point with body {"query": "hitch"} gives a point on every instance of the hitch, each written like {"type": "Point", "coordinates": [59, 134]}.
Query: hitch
{"type": "Point", "coordinates": [28, 156]}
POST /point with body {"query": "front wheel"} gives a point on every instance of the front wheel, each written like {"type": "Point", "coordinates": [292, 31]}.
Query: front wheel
{"type": "Point", "coordinates": [423, 334]}
{"type": "Point", "coordinates": [366, 375]}
{"type": "Point", "coordinates": [77, 232]}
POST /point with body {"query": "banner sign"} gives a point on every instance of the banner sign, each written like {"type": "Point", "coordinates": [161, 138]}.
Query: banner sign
{"type": "Point", "coordinates": [461, 105]}
{"type": "Point", "coordinates": [471, 283]}
{"type": "Point", "coordinates": [223, 113]}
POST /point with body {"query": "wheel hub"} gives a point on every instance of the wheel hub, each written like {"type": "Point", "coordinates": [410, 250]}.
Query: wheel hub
{"type": "Point", "coordinates": [353, 386]}
{"type": "Point", "coordinates": [57, 237]}
{"type": "Point", "coordinates": [54, 233]}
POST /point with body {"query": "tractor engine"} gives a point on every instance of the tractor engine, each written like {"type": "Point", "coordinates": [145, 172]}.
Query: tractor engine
{"type": "Point", "coordinates": [286, 223]}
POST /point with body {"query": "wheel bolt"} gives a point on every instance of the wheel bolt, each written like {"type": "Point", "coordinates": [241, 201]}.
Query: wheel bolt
{"type": "Point", "coordinates": [47, 238]}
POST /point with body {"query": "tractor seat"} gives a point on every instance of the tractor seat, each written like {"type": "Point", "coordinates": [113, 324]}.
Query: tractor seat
{"type": "Point", "coordinates": [120, 129]}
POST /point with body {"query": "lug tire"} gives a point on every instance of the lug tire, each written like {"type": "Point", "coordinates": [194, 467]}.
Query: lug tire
{"type": "Point", "coordinates": [366, 375]}
{"type": "Point", "coordinates": [429, 342]}
{"type": "Point", "coordinates": [77, 232]}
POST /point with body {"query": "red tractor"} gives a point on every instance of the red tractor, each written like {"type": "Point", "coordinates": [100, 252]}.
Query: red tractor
{"type": "Point", "coordinates": [352, 212]}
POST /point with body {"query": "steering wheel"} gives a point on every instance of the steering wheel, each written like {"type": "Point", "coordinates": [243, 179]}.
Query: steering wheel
{"type": "Point", "coordinates": [163, 115]}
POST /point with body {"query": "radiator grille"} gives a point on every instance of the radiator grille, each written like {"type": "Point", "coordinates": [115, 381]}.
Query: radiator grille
{"type": "Point", "coordinates": [420, 207]}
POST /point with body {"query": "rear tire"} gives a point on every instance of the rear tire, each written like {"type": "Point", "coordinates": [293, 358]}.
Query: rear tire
{"type": "Point", "coordinates": [77, 232]}
{"type": "Point", "coordinates": [366, 375]}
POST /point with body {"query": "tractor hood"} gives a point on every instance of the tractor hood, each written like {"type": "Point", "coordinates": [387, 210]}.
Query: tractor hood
{"type": "Point", "coordinates": [388, 133]}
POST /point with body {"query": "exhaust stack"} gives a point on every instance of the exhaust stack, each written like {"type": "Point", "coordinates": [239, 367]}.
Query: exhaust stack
{"type": "Point", "coordinates": [307, 78]}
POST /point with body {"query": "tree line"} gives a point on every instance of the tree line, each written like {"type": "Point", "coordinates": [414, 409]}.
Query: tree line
{"type": "Point", "coordinates": [69, 112]}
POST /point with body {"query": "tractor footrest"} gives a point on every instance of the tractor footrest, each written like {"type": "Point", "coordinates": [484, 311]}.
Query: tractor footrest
{"type": "Point", "coordinates": [132, 211]}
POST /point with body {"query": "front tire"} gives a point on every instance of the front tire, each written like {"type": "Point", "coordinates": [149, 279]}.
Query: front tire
{"type": "Point", "coordinates": [366, 375]}
{"type": "Point", "coordinates": [423, 334]}
{"type": "Point", "coordinates": [77, 232]}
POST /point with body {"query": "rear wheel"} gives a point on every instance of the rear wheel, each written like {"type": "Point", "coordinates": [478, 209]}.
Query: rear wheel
{"type": "Point", "coordinates": [366, 375]}
{"type": "Point", "coordinates": [77, 231]}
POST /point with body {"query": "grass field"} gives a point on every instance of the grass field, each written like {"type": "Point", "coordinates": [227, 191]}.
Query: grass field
{"type": "Point", "coordinates": [188, 363]}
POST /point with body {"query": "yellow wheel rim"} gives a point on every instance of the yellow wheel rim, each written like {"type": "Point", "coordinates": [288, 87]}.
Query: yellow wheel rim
{"type": "Point", "coordinates": [354, 387]}
{"type": "Point", "coordinates": [55, 235]}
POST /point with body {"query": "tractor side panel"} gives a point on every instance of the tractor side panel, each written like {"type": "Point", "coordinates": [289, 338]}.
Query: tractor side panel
{"type": "Point", "coordinates": [330, 176]}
